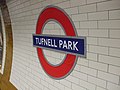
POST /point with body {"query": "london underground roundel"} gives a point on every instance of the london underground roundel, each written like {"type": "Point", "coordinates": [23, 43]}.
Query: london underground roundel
{"type": "Point", "coordinates": [57, 43]}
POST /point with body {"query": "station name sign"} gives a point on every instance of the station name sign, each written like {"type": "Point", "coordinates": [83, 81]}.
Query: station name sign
{"type": "Point", "coordinates": [70, 43]}
{"type": "Point", "coordinates": [73, 45]}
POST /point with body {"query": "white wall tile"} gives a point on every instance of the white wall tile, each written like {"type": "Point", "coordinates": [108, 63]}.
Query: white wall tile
{"type": "Point", "coordinates": [76, 87]}
{"type": "Point", "coordinates": [97, 81]}
{"type": "Point", "coordinates": [109, 42]}
{"type": "Point", "coordinates": [87, 85]}
{"type": "Point", "coordinates": [98, 49]}
{"type": "Point", "coordinates": [108, 77]}
{"type": "Point", "coordinates": [79, 17]}
{"type": "Point", "coordinates": [111, 86]}
{"type": "Point", "coordinates": [87, 8]}
{"type": "Point", "coordinates": [109, 60]}
{"type": "Point", "coordinates": [88, 71]}
{"type": "Point", "coordinates": [114, 52]}
{"type": "Point", "coordinates": [88, 24]}
{"type": "Point", "coordinates": [98, 33]}
{"type": "Point", "coordinates": [115, 14]}
{"type": "Point", "coordinates": [109, 5]}
{"type": "Point", "coordinates": [114, 70]}
{"type": "Point", "coordinates": [99, 66]}
{"type": "Point", "coordinates": [77, 2]}
{"type": "Point", "coordinates": [98, 15]}
{"type": "Point", "coordinates": [109, 24]}
{"type": "Point", "coordinates": [114, 33]}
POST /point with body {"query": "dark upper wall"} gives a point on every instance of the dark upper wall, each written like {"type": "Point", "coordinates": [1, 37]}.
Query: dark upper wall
{"type": "Point", "coordinates": [2, 2]}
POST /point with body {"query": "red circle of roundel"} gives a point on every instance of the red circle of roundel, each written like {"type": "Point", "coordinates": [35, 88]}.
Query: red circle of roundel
{"type": "Point", "coordinates": [56, 14]}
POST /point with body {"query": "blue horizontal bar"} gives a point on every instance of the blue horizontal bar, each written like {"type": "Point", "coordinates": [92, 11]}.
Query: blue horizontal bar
{"type": "Point", "coordinates": [72, 45]}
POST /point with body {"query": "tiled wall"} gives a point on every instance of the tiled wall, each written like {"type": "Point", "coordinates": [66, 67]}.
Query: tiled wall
{"type": "Point", "coordinates": [98, 20]}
